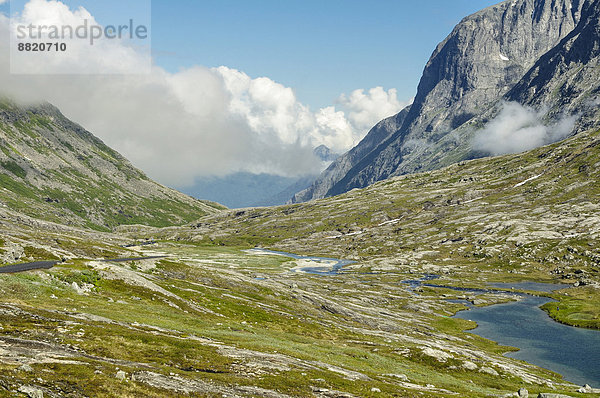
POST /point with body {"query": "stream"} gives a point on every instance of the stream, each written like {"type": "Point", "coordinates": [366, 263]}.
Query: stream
{"type": "Point", "coordinates": [570, 351]}
{"type": "Point", "coordinates": [323, 266]}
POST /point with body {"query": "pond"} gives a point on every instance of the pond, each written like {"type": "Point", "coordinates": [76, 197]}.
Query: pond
{"type": "Point", "coordinates": [572, 352]}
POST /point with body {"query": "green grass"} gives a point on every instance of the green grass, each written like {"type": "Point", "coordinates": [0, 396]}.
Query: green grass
{"type": "Point", "coordinates": [14, 168]}
{"type": "Point", "coordinates": [38, 254]}
{"type": "Point", "coordinates": [577, 307]}
{"type": "Point", "coordinates": [242, 313]}
{"type": "Point", "coordinates": [91, 277]}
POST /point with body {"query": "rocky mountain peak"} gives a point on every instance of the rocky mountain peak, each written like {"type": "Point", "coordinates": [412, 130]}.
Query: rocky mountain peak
{"type": "Point", "coordinates": [324, 153]}
{"type": "Point", "coordinates": [485, 56]}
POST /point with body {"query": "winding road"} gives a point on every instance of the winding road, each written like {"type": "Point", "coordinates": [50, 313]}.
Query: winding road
{"type": "Point", "coordinates": [12, 269]}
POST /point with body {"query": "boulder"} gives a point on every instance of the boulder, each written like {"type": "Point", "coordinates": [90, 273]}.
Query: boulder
{"type": "Point", "coordinates": [587, 389]}
{"type": "Point", "coordinates": [441, 356]}
{"type": "Point", "coordinates": [26, 368]}
{"type": "Point", "coordinates": [401, 377]}
{"type": "Point", "coordinates": [121, 375]}
{"type": "Point", "coordinates": [31, 392]}
{"type": "Point", "coordinates": [469, 365]}
{"type": "Point", "coordinates": [489, 371]}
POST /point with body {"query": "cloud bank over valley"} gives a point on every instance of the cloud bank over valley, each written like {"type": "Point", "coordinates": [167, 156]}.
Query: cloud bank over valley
{"type": "Point", "coordinates": [194, 123]}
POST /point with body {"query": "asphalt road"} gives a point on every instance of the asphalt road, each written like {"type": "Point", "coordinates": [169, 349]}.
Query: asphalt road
{"type": "Point", "coordinates": [11, 269]}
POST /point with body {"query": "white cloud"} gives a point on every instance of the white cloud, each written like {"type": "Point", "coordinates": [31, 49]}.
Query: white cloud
{"type": "Point", "coordinates": [366, 109]}
{"type": "Point", "coordinates": [273, 110]}
{"type": "Point", "coordinates": [519, 128]}
{"type": "Point", "coordinates": [199, 121]}
{"type": "Point", "coordinates": [116, 56]}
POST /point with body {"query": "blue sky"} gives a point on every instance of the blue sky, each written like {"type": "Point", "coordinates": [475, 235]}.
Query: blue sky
{"type": "Point", "coordinates": [320, 48]}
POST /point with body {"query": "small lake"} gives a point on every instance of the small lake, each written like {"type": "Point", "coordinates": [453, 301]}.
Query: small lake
{"type": "Point", "coordinates": [572, 352]}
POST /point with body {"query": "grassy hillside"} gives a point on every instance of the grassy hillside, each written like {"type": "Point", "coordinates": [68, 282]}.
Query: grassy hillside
{"type": "Point", "coordinates": [53, 169]}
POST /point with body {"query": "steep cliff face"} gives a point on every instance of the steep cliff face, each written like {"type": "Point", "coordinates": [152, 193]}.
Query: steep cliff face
{"type": "Point", "coordinates": [485, 55]}
{"type": "Point", "coordinates": [566, 80]}
{"type": "Point", "coordinates": [473, 68]}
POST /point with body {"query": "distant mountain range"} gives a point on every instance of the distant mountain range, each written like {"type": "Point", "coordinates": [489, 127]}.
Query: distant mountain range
{"type": "Point", "coordinates": [540, 54]}
{"type": "Point", "coordinates": [244, 189]}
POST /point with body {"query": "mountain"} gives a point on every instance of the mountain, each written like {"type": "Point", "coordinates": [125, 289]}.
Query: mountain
{"type": "Point", "coordinates": [325, 154]}
{"type": "Point", "coordinates": [343, 164]}
{"type": "Point", "coordinates": [549, 196]}
{"type": "Point", "coordinates": [283, 196]}
{"type": "Point", "coordinates": [53, 169]}
{"type": "Point", "coordinates": [567, 78]}
{"type": "Point", "coordinates": [213, 319]}
{"type": "Point", "coordinates": [499, 53]}
{"type": "Point", "coordinates": [199, 321]}
{"type": "Point", "coordinates": [528, 216]}
{"type": "Point", "coordinates": [207, 316]}
{"type": "Point", "coordinates": [245, 189]}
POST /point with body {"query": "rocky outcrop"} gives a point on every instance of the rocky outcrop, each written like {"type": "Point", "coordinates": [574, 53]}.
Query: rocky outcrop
{"type": "Point", "coordinates": [489, 55]}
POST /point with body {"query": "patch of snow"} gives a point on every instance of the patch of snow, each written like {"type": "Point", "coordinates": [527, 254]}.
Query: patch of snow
{"type": "Point", "coordinates": [472, 200]}
{"type": "Point", "coordinates": [389, 222]}
{"type": "Point", "coordinates": [342, 235]}
{"type": "Point", "coordinates": [354, 233]}
{"type": "Point", "coordinates": [527, 180]}
{"type": "Point", "coordinates": [504, 57]}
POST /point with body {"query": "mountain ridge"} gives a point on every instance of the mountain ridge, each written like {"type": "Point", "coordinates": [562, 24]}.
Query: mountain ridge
{"type": "Point", "coordinates": [462, 85]}
{"type": "Point", "coordinates": [343, 164]}
{"type": "Point", "coordinates": [53, 169]}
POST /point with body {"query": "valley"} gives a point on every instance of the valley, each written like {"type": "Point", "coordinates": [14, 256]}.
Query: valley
{"type": "Point", "coordinates": [453, 252]}
{"type": "Point", "coordinates": [214, 318]}
{"type": "Point", "coordinates": [207, 317]}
